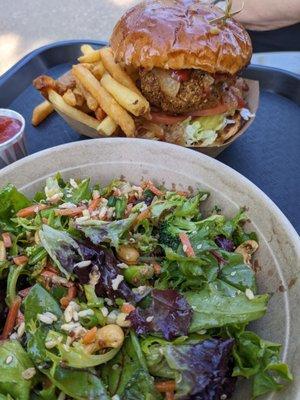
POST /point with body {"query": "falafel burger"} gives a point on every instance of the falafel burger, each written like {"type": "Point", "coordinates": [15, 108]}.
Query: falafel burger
{"type": "Point", "coordinates": [186, 56]}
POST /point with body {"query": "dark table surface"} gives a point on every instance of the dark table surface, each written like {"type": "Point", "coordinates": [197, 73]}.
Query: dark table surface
{"type": "Point", "coordinates": [268, 154]}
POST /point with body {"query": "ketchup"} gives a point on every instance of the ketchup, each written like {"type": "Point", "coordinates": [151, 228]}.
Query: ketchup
{"type": "Point", "coordinates": [9, 127]}
{"type": "Point", "coordinates": [181, 75]}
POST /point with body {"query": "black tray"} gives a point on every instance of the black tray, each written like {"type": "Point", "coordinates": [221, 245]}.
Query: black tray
{"type": "Point", "coordinates": [268, 154]}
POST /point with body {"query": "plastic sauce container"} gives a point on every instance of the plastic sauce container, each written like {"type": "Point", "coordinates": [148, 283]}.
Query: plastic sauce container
{"type": "Point", "coordinates": [12, 143]}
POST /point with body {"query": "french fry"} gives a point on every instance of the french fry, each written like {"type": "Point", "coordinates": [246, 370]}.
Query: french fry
{"type": "Point", "coordinates": [70, 98]}
{"type": "Point", "coordinates": [59, 103]}
{"type": "Point", "coordinates": [98, 70]}
{"type": "Point", "coordinates": [116, 71]}
{"type": "Point", "coordinates": [105, 100]}
{"type": "Point", "coordinates": [86, 49]}
{"type": "Point", "coordinates": [90, 100]}
{"type": "Point", "coordinates": [128, 99]}
{"type": "Point", "coordinates": [80, 101]}
{"type": "Point", "coordinates": [100, 114]}
{"type": "Point", "coordinates": [91, 57]}
{"type": "Point", "coordinates": [107, 126]}
{"type": "Point", "coordinates": [41, 112]}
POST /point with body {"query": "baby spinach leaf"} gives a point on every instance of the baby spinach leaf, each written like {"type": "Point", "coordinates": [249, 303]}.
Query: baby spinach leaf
{"type": "Point", "coordinates": [80, 193]}
{"type": "Point", "coordinates": [61, 247]}
{"type": "Point", "coordinates": [11, 379]}
{"type": "Point", "coordinates": [11, 201]}
{"type": "Point", "coordinates": [212, 308]}
{"type": "Point", "coordinates": [141, 386]}
{"type": "Point", "coordinates": [260, 360]}
{"type": "Point", "coordinates": [102, 231]}
{"type": "Point", "coordinates": [78, 384]}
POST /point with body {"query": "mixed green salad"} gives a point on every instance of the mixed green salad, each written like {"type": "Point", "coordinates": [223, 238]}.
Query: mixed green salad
{"type": "Point", "coordinates": [128, 292]}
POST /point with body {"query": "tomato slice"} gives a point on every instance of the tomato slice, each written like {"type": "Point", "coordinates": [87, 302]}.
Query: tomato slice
{"type": "Point", "coordinates": [166, 119]}
{"type": "Point", "coordinates": [181, 75]}
{"type": "Point", "coordinates": [220, 109]}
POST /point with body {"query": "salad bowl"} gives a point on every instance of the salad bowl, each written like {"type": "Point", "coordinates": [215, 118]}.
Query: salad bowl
{"type": "Point", "coordinates": [277, 265]}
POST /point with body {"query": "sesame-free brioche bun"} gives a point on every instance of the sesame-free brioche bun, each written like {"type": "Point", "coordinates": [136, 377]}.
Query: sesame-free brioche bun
{"type": "Point", "coordinates": [177, 34]}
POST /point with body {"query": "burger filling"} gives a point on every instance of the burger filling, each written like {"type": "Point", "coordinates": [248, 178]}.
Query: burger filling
{"type": "Point", "coordinates": [192, 105]}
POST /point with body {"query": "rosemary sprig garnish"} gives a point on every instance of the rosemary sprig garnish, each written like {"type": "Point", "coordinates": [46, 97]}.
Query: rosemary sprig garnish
{"type": "Point", "coordinates": [228, 13]}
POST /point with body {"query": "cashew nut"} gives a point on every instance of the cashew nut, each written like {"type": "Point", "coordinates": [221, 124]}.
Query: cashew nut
{"type": "Point", "coordinates": [110, 336]}
{"type": "Point", "coordinates": [246, 249]}
{"type": "Point", "coordinates": [128, 254]}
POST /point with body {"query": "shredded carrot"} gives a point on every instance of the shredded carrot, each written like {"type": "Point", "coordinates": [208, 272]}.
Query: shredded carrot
{"type": "Point", "coordinates": [127, 308]}
{"type": "Point", "coordinates": [165, 386]}
{"type": "Point", "coordinates": [11, 318]}
{"type": "Point", "coordinates": [154, 189]}
{"type": "Point", "coordinates": [72, 292]}
{"type": "Point", "coordinates": [156, 268]}
{"type": "Point", "coordinates": [31, 210]}
{"type": "Point", "coordinates": [70, 212]}
{"type": "Point", "coordinates": [170, 396]}
{"type": "Point", "coordinates": [187, 247]}
{"type": "Point", "coordinates": [50, 267]}
{"type": "Point", "coordinates": [90, 336]}
{"type": "Point", "coordinates": [48, 274]}
{"type": "Point", "coordinates": [6, 239]}
{"type": "Point", "coordinates": [94, 204]}
{"type": "Point", "coordinates": [183, 193]}
{"type": "Point", "coordinates": [143, 215]}
{"type": "Point", "coordinates": [128, 209]}
{"type": "Point", "coordinates": [20, 260]}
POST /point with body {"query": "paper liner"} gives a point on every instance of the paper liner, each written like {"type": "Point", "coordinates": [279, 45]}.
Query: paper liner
{"type": "Point", "coordinates": [252, 100]}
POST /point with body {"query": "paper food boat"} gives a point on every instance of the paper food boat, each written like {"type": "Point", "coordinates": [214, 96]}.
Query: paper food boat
{"type": "Point", "coordinates": [252, 100]}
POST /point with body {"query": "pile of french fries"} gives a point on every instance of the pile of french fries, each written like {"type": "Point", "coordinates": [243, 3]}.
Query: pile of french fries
{"type": "Point", "coordinates": [102, 95]}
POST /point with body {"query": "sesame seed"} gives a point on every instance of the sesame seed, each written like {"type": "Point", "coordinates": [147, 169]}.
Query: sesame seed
{"type": "Point", "coordinates": [28, 373]}
{"type": "Point", "coordinates": [249, 294]}
{"type": "Point", "coordinates": [47, 318]}
{"type": "Point", "coordinates": [9, 359]}
{"type": "Point", "coordinates": [21, 329]}
{"type": "Point", "coordinates": [223, 397]}
{"type": "Point", "coordinates": [73, 183]}
{"type": "Point", "coordinates": [67, 205]}
{"type": "Point", "coordinates": [70, 326]}
{"type": "Point", "coordinates": [82, 264]}
{"type": "Point", "coordinates": [184, 247]}
{"type": "Point", "coordinates": [108, 301]}
{"type": "Point", "coordinates": [112, 316]}
{"type": "Point", "coordinates": [149, 319]}
{"type": "Point", "coordinates": [116, 282]}
{"type": "Point", "coordinates": [104, 311]}
{"type": "Point", "coordinates": [85, 313]}
{"type": "Point", "coordinates": [122, 265]}
{"type": "Point", "coordinates": [115, 366]}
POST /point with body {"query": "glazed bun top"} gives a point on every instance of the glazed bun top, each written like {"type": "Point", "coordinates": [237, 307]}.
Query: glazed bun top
{"type": "Point", "coordinates": [180, 34]}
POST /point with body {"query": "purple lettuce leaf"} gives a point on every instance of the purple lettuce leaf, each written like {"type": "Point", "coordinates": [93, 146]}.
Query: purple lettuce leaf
{"type": "Point", "coordinates": [205, 368]}
{"type": "Point", "coordinates": [169, 314]}
{"type": "Point", "coordinates": [224, 243]}
{"type": "Point", "coordinates": [104, 264]}
{"type": "Point", "coordinates": [67, 252]}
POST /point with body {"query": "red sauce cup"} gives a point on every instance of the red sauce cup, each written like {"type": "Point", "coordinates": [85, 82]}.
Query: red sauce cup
{"type": "Point", "coordinates": [12, 140]}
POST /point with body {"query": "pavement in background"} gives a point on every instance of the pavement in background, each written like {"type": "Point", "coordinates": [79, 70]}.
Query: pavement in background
{"type": "Point", "coordinates": [26, 25]}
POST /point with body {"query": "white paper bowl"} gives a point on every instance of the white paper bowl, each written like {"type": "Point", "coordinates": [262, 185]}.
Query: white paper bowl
{"type": "Point", "coordinates": [279, 252]}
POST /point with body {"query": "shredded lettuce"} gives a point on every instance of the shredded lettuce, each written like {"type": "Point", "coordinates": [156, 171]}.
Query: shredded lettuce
{"type": "Point", "coordinates": [204, 129]}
